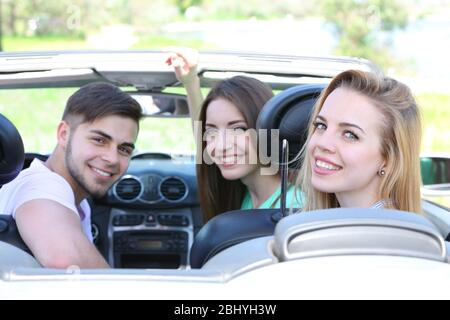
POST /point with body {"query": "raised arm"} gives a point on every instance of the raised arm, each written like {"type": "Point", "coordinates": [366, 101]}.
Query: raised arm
{"type": "Point", "coordinates": [185, 61]}
{"type": "Point", "coordinates": [54, 235]}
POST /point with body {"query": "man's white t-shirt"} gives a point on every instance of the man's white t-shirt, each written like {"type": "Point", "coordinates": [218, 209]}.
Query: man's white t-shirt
{"type": "Point", "coordinates": [39, 182]}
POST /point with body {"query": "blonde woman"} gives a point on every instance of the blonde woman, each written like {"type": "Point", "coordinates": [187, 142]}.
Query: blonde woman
{"type": "Point", "coordinates": [363, 146]}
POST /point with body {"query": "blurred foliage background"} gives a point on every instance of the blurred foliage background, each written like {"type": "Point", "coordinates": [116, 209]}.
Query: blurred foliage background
{"type": "Point", "coordinates": [361, 28]}
{"type": "Point", "coordinates": [357, 24]}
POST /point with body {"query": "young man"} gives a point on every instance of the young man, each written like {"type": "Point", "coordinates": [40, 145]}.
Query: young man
{"type": "Point", "coordinates": [95, 140]}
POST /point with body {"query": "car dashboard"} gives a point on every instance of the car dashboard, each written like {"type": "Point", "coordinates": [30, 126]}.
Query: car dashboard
{"type": "Point", "coordinates": [149, 217]}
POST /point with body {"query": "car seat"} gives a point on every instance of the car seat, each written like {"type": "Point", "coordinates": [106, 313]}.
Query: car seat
{"type": "Point", "coordinates": [11, 162]}
{"type": "Point", "coordinates": [288, 111]}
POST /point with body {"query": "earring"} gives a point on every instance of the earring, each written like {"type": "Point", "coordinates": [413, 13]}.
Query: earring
{"type": "Point", "coordinates": [381, 173]}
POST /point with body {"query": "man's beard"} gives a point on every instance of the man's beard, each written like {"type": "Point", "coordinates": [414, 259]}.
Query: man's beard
{"type": "Point", "coordinates": [78, 177]}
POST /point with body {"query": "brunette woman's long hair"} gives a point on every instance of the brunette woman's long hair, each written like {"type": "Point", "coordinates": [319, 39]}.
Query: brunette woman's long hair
{"type": "Point", "coordinates": [218, 195]}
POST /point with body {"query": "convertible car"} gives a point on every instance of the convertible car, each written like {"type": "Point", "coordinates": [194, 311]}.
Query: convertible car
{"type": "Point", "coordinates": [149, 226]}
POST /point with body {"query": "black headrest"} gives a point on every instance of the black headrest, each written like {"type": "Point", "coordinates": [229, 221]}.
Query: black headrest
{"type": "Point", "coordinates": [289, 111]}
{"type": "Point", "coordinates": [11, 151]}
{"type": "Point", "coordinates": [230, 228]}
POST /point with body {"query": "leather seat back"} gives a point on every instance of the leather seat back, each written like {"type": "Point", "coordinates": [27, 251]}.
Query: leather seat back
{"type": "Point", "coordinates": [12, 158]}
{"type": "Point", "coordinates": [289, 112]}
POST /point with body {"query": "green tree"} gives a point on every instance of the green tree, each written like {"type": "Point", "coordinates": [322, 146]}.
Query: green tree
{"type": "Point", "coordinates": [30, 17]}
{"type": "Point", "coordinates": [1, 26]}
{"type": "Point", "coordinates": [359, 25]}
{"type": "Point", "coordinates": [183, 5]}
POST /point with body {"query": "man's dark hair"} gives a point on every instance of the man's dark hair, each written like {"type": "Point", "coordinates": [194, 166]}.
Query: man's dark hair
{"type": "Point", "coordinates": [97, 100]}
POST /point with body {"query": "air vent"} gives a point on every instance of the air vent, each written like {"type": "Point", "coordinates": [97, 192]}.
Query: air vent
{"type": "Point", "coordinates": [173, 189]}
{"type": "Point", "coordinates": [128, 189]}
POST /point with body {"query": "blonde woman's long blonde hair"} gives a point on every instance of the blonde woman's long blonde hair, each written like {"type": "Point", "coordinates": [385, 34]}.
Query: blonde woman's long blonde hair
{"type": "Point", "coordinates": [401, 133]}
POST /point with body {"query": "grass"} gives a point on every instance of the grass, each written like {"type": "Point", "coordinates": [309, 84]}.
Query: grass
{"type": "Point", "coordinates": [49, 43]}
{"type": "Point", "coordinates": [161, 42]}
{"type": "Point", "coordinates": [435, 110]}
{"type": "Point", "coordinates": [36, 113]}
